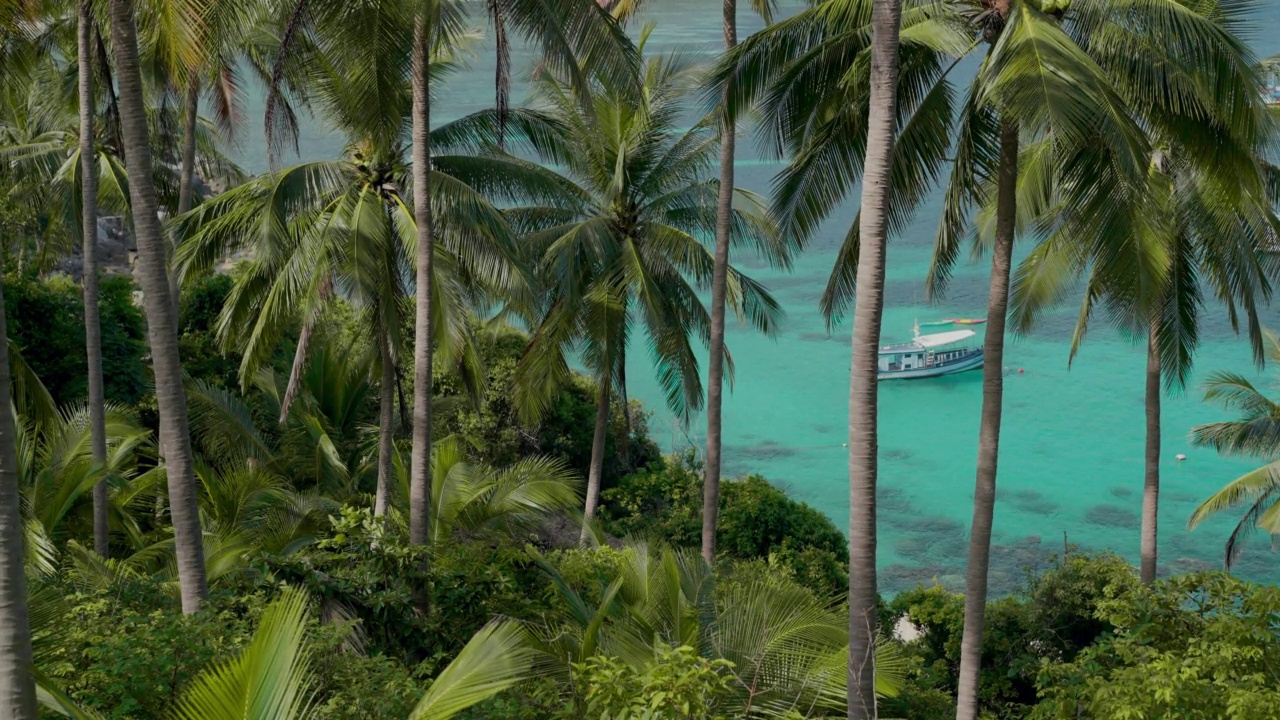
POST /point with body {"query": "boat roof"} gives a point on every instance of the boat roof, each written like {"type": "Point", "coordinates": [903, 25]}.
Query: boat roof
{"type": "Point", "coordinates": [946, 338]}
{"type": "Point", "coordinates": [924, 342]}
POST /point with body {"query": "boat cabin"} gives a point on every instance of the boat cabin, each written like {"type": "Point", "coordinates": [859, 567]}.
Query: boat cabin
{"type": "Point", "coordinates": [929, 356]}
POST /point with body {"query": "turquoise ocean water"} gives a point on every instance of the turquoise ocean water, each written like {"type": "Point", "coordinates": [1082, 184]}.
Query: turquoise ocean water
{"type": "Point", "coordinates": [1072, 442]}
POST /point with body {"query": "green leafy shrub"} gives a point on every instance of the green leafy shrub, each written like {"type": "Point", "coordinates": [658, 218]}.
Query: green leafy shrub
{"type": "Point", "coordinates": [1197, 646]}
{"type": "Point", "coordinates": [128, 652]}
{"type": "Point", "coordinates": [677, 685]}
{"type": "Point", "coordinates": [1052, 620]}
{"type": "Point", "coordinates": [366, 571]}
{"type": "Point", "coordinates": [202, 356]}
{"type": "Point", "coordinates": [496, 435]}
{"type": "Point", "coordinates": [757, 520]}
{"type": "Point", "coordinates": [46, 320]}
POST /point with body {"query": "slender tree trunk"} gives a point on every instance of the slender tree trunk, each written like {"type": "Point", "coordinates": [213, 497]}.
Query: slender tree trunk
{"type": "Point", "coordinates": [719, 279]}
{"type": "Point", "coordinates": [420, 480]}
{"type": "Point", "coordinates": [175, 436]}
{"type": "Point", "coordinates": [1151, 481]}
{"type": "Point", "coordinates": [295, 371]}
{"type": "Point", "coordinates": [92, 325]}
{"type": "Point", "coordinates": [502, 70]}
{"type": "Point", "coordinates": [597, 454]}
{"type": "Point", "coordinates": [386, 424]}
{"type": "Point", "coordinates": [17, 683]}
{"type": "Point", "coordinates": [186, 181]}
{"type": "Point", "coordinates": [863, 373]}
{"type": "Point", "coordinates": [984, 492]}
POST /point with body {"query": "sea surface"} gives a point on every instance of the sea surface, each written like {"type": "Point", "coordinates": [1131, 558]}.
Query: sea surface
{"type": "Point", "coordinates": [1071, 451]}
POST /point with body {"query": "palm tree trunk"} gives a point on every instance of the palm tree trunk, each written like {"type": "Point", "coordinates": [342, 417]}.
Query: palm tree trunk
{"type": "Point", "coordinates": [17, 683]}
{"type": "Point", "coordinates": [1151, 481]}
{"type": "Point", "coordinates": [984, 492]}
{"type": "Point", "coordinates": [502, 70]}
{"type": "Point", "coordinates": [597, 455]}
{"type": "Point", "coordinates": [420, 463]}
{"type": "Point", "coordinates": [719, 280]}
{"type": "Point", "coordinates": [175, 436]}
{"type": "Point", "coordinates": [863, 373]}
{"type": "Point", "coordinates": [386, 424]}
{"type": "Point", "coordinates": [92, 324]}
{"type": "Point", "coordinates": [295, 371]}
{"type": "Point", "coordinates": [186, 181]}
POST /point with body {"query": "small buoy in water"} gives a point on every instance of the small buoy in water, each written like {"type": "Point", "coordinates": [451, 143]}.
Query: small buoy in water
{"type": "Point", "coordinates": [1019, 371]}
{"type": "Point", "coordinates": [844, 444]}
{"type": "Point", "coordinates": [1179, 457]}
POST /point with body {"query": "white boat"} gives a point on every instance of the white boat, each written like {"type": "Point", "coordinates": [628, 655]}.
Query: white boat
{"type": "Point", "coordinates": [929, 356]}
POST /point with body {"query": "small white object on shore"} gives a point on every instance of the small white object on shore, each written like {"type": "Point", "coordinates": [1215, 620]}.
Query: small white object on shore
{"type": "Point", "coordinates": [1179, 457]}
{"type": "Point", "coordinates": [906, 631]}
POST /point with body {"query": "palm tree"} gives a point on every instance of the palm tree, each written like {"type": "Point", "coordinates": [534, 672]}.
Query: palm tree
{"type": "Point", "coordinates": [719, 280]}
{"type": "Point", "coordinates": [577, 37]}
{"type": "Point", "coordinates": [17, 687]}
{"type": "Point", "coordinates": [347, 225]}
{"type": "Point", "coordinates": [89, 233]}
{"type": "Point", "coordinates": [619, 244]}
{"type": "Point", "coordinates": [1034, 82]}
{"type": "Point", "coordinates": [153, 274]}
{"type": "Point", "coordinates": [863, 380]}
{"type": "Point", "coordinates": [419, 464]}
{"type": "Point", "coordinates": [1253, 435]}
{"type": "Point", "coordinates": [1200, 217]}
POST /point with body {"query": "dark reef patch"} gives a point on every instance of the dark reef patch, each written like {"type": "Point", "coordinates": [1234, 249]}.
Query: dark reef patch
{"type": "Point", "coordinates": [1028, 501]}
{"type": "Point", "coordinates": [815, 337]}
{"type": "Point", "coordinates": [1122, 491]}
{"type": "Point", "coordinates": [766, 450]}
{"type": "Point", "coordinates": [924, 524]}
{"type": "Point", "coordinates": [891, 500]}
{"type": "Point", "coordinates": [896, 455]}
{"type": "Point", "coordinates": [1112, 516]}
{"type": "Point", "coordinates": [1011, 564]}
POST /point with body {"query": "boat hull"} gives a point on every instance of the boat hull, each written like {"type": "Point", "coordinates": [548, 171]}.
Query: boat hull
{"type": "Point", "coordinates": [972, 362]}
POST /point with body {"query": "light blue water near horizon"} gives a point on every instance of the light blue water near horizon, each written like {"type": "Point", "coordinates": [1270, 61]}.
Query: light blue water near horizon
{"type": "Point", "coordinates": [1071, 451]}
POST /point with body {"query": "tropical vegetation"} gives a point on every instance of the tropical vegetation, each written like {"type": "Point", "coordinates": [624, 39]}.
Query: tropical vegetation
{"type": "Point", "coordinates": [353, 437]}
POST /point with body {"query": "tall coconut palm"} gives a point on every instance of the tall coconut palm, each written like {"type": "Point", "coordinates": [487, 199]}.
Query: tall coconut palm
{"type": "Point", "coordinates": [1252, 435]}
{"type": "Point", "coordinates": [719, 282]}
{"type": "Point", "coordinates": [349, 226]}
{"type": "Point", "coordinates": [424, 25]}
{"type": "Point", "coordinates": [863, 372]}
{"type": "Point", "coordinates": [153, 274]}
{"type": "Point", "coordinates": [1200, 218]}
{"type": "Point", "coordinates": [619, 246]}
{"type": "Point", "coordinates": [577, 37]}
{"type": "Point", "coordinates": [1034, 82]}
{"type": "Point", "coordinates": [89, 283]}
{"type": "Point", "coordinates": [17, 683]}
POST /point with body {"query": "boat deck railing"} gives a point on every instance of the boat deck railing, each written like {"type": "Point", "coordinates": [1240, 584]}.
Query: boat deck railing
{"type": "Point", "coordinates": [901, 347]}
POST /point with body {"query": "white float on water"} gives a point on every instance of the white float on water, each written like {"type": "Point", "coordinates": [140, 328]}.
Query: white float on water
{"type": "Point", "coordinates": [1179, 457]}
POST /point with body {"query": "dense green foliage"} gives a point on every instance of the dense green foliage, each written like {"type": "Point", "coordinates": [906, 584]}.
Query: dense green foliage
{"type": "Point", "coordinates": [515, 599]}
{"type": "Point", "coordinates": [757, 520]}
{"type": "Point", "coordinates": [1202, 646]}
{"type": "Point", "coordinates": [46, 320]}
